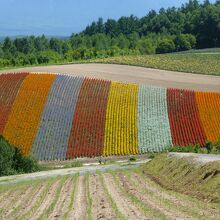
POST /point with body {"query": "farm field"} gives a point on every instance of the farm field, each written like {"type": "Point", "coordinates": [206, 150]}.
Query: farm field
{"type": "Point", "coordinates": [64, 117]}
{"type": "Point", "coordinates": [204, 61]}
{"type": "Point", "coordinates": [194, 62]}
{"type": "Point", "coordinates": [123, 194]}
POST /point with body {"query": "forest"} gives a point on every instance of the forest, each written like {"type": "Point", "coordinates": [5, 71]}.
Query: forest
{"type": "Point", "coordinates": [194, 25]}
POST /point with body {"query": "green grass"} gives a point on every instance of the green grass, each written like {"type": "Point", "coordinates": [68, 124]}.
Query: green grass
{"type": "Point", "coordinates": [89, 200]}
{"type": "Point", "coordinates": [185, 176]}
{"type": "Point", "coordinates": [188, 62]}
{"type": "Point", "coordinates": [206, 50]}
{"type": "Point", "coordinates": [75, 179]}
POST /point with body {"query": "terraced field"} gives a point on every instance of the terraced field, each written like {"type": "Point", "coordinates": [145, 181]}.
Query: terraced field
{"type": "Point", "coordinates": [125, 194]}
{"type": "Point", "coordinates": [59, 117]}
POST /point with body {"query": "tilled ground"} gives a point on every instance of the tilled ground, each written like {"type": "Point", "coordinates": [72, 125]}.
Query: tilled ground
{"type": "Point", "coordinates": [124, 194]}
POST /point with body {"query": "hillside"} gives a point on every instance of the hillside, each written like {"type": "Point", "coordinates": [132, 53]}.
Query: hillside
{"type": "Point", "coordinates": [63, 117]}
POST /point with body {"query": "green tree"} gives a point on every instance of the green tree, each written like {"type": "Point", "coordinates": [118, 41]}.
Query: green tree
{"type": "Point", "coordinates": [165, 46]}
{"type": "Point", "coordinates": [111, 28]}
{"type": "Point", "coordinates": [123, 42]}
{"type": "Point", "coordinates": [56, 45]}
{"type": "Point", "coordinates": [8, 46]}
{"type": "Point", "coordinates": [146, 46]}
{"type": "Point", "coordinates": [185, 42]}
{"type": "Point", "coordinates": [41, 43]}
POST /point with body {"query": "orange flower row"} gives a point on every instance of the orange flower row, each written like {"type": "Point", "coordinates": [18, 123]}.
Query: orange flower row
{"type": "Point", "coordinates": [24, 118]}
{"type": "Point", "coordinates": [209, 110]}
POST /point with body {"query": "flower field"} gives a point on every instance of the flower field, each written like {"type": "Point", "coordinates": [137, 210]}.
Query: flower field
{"type": "Point", "coordinates": [59, 117]}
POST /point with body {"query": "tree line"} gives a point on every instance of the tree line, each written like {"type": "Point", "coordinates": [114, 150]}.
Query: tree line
{"type": "Point", "coordinates": [193, 25]}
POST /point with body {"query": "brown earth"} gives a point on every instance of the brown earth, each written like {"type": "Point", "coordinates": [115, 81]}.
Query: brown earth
{"type": "Point", "coordinates": [78, 210]}
{"type": "Point", "coordinates": [101, 209]}
{"type": "Point", "coordinates": [140, 75]}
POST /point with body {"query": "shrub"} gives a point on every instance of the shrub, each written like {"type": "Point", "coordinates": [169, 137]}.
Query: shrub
{"type": "Point", "coordinates": [13, 162]}
{"type": "Point", "coordinates": [6, 157]}
{"type": "Point", "coordinates": [209, 148]}
{"type": "Point", "coordinates": [166, 46]}
{"type": "Point", "coordinates": [132, 158]}
{"type": "Point", "coordinates": [146, 46]}
{"type": "Point", "coordinates": [185, 42]}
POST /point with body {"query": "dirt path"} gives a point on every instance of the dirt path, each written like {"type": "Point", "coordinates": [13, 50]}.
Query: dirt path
{"type": "Point", "coordinates": [125, 206]}
{"type": "Point", "coordinates": [62, 172]}
{"type": "Point", "coordinates": [78, 212]}
{"type": "Point", "coordinates": [134, 74]}
{"type": "Point", "coordinates": [201, 158]}
{"type": "Point", "coordinates": [204, 158]}
{"type": "Point", "coordinates": [101, 209]}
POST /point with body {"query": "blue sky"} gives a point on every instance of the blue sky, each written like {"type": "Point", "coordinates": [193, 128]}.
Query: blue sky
{"type": "Point", "coordinates": [63, 17]}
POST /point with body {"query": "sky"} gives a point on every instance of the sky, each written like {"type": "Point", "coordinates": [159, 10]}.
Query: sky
{"type": "Point", "coordinates": [64, 17]}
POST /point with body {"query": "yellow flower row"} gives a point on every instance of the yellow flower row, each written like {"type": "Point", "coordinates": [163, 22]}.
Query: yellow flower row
{"type": "Point", "coordinates": [121, 122]}
{"type": "Point", "coordinates": [24, 118]}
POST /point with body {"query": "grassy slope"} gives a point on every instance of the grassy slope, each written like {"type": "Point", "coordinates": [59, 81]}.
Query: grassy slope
{"type": "Point", "coordinates": [200, 180]}
{"type": "Point", "coordinates": [201, 63]}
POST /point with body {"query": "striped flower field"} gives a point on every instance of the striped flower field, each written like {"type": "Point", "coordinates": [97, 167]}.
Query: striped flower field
{"type": "Point", "coordinates": [59, 117]}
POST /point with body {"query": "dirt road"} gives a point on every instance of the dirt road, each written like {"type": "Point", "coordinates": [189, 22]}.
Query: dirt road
{"type": "Point", "coordinates": [201, 158]}
{"type": "Point", "coordinates": [134, 74]}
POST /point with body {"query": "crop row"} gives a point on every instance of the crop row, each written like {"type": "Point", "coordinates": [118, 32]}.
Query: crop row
{"type": "Point", "coordinates": [153, 124]}
{"type": "Point", "coordinates": [121, 120]}
{"type": "Point", "coordinates": [63, 117]}
{"type": "Point", "coordinates": [54, 129]}
{"type": "Point", "coordinates": [209, 111]}
{"type": "Point", "coordinates": [26, 112]}
{"type": "Point", "coordinates": [185, 123]}
{"type": "Point", "coordinates": [9, 87]}
{"type": "Point", "coordinates": [87, 134]}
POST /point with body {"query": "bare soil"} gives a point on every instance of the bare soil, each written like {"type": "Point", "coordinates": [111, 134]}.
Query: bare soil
{"type": "Point", "coordinates": [46, 202]}
{"type": "Point", "coordinates": [63, 200]}
{"type": "Point", "coordinates": [132, 74]}
{"type": "Point", "coordinates": [79, 209]}
{"type": "Point", "coordinates": [23, 199]}
{"type": "Point", "coordinates": [101, 209]}
{"type": "Point", "coordinates": [32, 200]}
{"type": "Point", "coordinates": [126, 207]}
